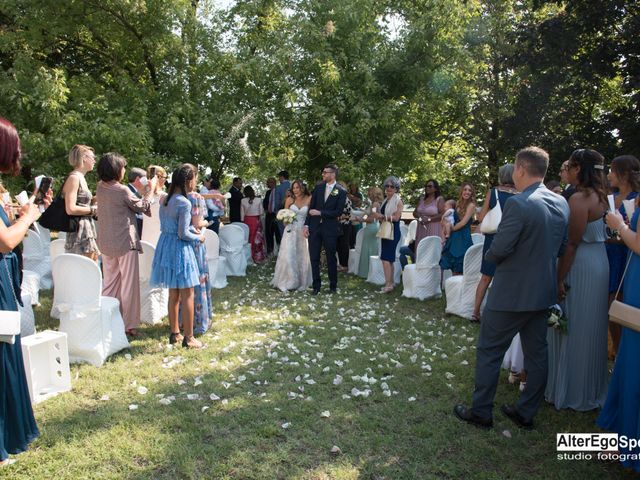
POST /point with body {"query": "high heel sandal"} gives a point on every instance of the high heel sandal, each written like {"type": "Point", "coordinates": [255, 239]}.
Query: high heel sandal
{"type": "Point", "coordinates": [175, 338]}
{"type": "Point", "coordinates": [191, 342]}
{"type": "Point", "coordinates": [387, 289]}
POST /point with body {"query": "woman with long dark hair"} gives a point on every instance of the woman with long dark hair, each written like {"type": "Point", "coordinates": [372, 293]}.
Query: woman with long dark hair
{"type": "Point", "coordinates": [17, 424]}
{"type": "Point", "coordinates": [624, 177]}
{"type": "Point", "coordinates": [429, 212]}
{"type": "Point", "coordinates": [174, 264]}
{"type": "Point", "coordinates": [251, 210]}
{"type": "Point", "coordinates": [578, 358]}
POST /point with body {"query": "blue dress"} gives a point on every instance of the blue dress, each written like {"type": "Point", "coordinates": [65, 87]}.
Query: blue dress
{"type": "Point", "coordinates": [489, 268]}
{"type": "Point", "coordinates": [388, 247]}
{"type": "Point", "coordinates": [174, 263]}
{"type": "Point", "coordinates": [621, 412]}
{"type": "Point", "coordinates": [617, 253]}
{"type": "Point", "coordinates": [202, 304]}
{"type": "Point", "coordinates": [17, 425]}
{"type": "Point", "coordinates": [456, 246]}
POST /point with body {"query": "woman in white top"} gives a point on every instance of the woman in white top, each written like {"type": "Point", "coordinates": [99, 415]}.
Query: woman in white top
{"type": "Point", "coordinates": [250, 212]}
{"type": "Point", "coordinates": [293, 268]}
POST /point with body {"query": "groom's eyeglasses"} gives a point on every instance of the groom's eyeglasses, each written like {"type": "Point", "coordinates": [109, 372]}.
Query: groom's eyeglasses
{"type": "Point", "coordinates": [327, 171]}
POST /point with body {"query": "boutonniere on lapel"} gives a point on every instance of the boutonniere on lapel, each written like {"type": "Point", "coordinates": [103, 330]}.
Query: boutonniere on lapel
{"type": "Point", "coordinates": [334, 192]}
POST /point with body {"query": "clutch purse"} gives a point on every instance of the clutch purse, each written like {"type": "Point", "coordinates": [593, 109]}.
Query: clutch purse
{"type": "Point", "coordinates": [622, 313]}
{"type": "Point", "coordinates": [9, 319]}
{"type": "Point", "coordinates": [492, 219]}
{"type": "Point", "coordinates": [385, 231]}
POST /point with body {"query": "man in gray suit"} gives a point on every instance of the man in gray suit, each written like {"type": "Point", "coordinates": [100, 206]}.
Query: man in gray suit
{"type": "Point", "coordinates": [531, 236]}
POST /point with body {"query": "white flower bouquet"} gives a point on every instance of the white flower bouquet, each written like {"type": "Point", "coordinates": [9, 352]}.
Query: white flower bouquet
{"type": "Point", "coordinates": [286, 216]}
{"type": "Point", "coordinates": [557, 319]}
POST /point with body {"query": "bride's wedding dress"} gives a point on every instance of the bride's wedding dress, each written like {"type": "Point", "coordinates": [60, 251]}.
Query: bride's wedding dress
{"type": "Point", "coordinates": [293, 267]}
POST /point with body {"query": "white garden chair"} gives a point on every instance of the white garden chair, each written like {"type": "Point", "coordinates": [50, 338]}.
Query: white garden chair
{"type": "Point", "coordinates": [93, 323]}
{"type": "Point", "coordinates": [45, 237]}
{"type": "Point", "coordinates": [376, 273]}
{"type": "Point", "coordinates": [460, 290]}
{"type": "Point", "coordinates": [217, 264]}
{"type": "Point", "coordinates": [31, 285]}
{"type": "Point", "coordinates": [354, 253]}
{"type": "Point", "coordinates": [27, 317]}
{"type": "Point", "coordinates": [154, 300]}
{"type": "Point", "coordinates": [411, 232]}
{"type": "Point", "coordinates": [477, 238]}
{"type": "Point", "coordinates": [232, 249]}
{"type": "Point", "coordinates": [421, 280]}
{"type": "Point", "coordinates": [56, 248]}
{"type": "Point", "coordinates": [247, 245]}
{"type": "Point", "coordinates": [35, 259]}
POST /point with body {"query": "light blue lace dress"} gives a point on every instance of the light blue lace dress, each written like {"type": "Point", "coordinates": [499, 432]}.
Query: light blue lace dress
{"type": "Point", "coordinates": [174, 263]}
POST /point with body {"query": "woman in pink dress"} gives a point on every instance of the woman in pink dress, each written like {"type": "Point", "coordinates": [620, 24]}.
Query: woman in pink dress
{"type": "Point", "coordinates": [429, 212]}
{"type": "Point", "coordinates": [251, 210]}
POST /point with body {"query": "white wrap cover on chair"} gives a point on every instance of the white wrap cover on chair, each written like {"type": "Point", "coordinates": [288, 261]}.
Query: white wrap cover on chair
{"type": "Point", "coordinates": [460, 290]}
{"type": "Point", "coordinates": [93, 324]}
{"type": "Point", "coordinates": [45, 237]}
{"type": "Point", "coordinates": [421, 280]}
{"type": "Point", "coordinates": [217, 264]}
{"type": "Point", "coordinates": [354, 253]}
{"type": "Point", "coordinates": [35, 259]}
{"type": "Point", "coordinates": [31, 285]}
{"type": "Point", "coordinates": [376, 273]}
{"type": "Point", "coordinates": [27, 317]}
{"type": "Point", "coordinates": [232, 249]}
{"type": "Point", "coordinates": [153, 301]}
{"type": "Point", "coordinates": [477, 238]}
{"type": "Point", "coordinates": [411, 232]}
{"type": "Point", "coordinates": [247, 245]}
{"type": "Point", "coordinates": [56, 247]}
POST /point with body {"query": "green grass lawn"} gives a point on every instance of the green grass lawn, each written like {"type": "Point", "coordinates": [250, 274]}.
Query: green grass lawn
{"type": "Point", "coordinates": [264, 398]}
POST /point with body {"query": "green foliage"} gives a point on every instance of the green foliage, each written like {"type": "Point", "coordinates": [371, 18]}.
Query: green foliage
{"type": "Point", "coordinates": [449, 89]}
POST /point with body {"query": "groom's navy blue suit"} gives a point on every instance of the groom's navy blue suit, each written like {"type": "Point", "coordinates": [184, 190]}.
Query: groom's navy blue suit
{"type": "Point", "coordinates": [324, 230]}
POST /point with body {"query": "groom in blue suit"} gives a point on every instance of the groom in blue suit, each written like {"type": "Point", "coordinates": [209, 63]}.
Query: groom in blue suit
{"type": "Point", "coordinates": [322, 227]}
{"type": "Point", "coordinates": [531, 236]}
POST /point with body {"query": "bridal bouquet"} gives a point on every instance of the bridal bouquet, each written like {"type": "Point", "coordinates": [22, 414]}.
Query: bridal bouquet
{"type": "Point", "coordinates": [557, 319]}
{"type": "Point", "coordinates": [286, 216]}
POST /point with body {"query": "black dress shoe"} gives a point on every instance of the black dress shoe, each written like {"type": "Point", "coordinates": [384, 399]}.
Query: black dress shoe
{"type": "Point", "coordinates": [513, 414]}
{"type": "Point", "coordinates": [315, 291]}
{"type": "Point", "coordinates": [333, 290]}
{"type": "Point", "coordinates": [466, 415]}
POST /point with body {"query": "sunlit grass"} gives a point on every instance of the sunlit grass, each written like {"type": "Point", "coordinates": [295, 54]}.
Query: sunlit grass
{"type": "Point", "coordinates": [270, 361]}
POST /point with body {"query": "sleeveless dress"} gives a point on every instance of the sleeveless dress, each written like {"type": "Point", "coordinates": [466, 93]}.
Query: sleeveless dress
{"type": "Point", "coordinates": [578, 359]}
{"type": "Point", "coordinates": [83, 241]}
{"type": "Point", "coordinates": [17, 425]}
{"type": "Point", "coordinates": [388, 247]}
{"type": "Point", "coordinates": [487, 267]}
{"type": "Point", "coordinates": [293, 267]}
{"type": "Point", "coordinates": [369, 247]}
{"type": "Point", "coordinates": [456, 246]}
{"type": "Point", "coordinates": [174, 263]}
{"type": "Point", "coordinates": [621, 412]}
{"type": "Point", "coordinates": [427, 229]}
{"type": "Point", "coordinates": [202, 303]}
{"type": "Point", "coordinates": [617, 252]}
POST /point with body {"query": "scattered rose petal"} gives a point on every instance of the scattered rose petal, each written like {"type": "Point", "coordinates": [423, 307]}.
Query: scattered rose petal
{"type": "Point", "coordinates": [104, 398]}
{"type": "Point", "coordinates": [335, 450]}
{"type": "Point", "coordinates": [142, 390]}
{"type": "Point", "coordinates": [286, 425]}
{"type": "Point", "coordinates": [325, 414]}
{"type": "Point", "coordinates": [133, 406]}
{"type": "Point", "coordinates": [506, 433]}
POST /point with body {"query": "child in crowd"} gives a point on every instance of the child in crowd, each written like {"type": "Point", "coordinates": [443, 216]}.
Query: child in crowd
{"type": "Point", "coordinates": [447, 217]}
{"type": "Point", "coordinates": [174, 264]}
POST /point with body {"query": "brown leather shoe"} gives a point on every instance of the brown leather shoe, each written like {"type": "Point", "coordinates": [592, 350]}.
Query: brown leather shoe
{"type": "Point", "coordinates": [191, 342]}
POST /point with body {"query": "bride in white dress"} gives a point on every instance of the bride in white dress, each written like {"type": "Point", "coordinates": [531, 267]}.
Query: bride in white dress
{"type": "Point", "coordinates": [293, 268]}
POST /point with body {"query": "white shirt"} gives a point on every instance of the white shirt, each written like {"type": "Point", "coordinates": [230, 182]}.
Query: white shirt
{"type": "Point", "coordinates": [328, 189]}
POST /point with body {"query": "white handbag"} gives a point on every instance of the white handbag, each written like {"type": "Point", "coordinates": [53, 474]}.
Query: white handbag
{"type": "Point", "coordinates": [492, 219]}
{"type": "Point", "coordinates": [9, 319]}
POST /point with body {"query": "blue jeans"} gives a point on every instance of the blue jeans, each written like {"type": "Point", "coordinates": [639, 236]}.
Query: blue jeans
{"type": "Point", "coordinates": [406, 256]}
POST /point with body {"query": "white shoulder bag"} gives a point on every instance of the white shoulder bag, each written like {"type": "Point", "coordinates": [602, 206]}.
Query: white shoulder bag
{"type": "Point", "coordinates": [9, 319]}
{"type": "Point", "coordinates": [493, 217]}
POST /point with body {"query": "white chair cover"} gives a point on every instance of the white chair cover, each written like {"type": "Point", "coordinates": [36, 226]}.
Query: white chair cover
{"type": "Point", "coordinates": [411, 232]}
{"type": "Point", "coordinates": [460, 290]}
{"type": "Point", "coordinates": [35, 259]}
{"type": "Point", "coordinates": [376, 273]}
{"type": "Point", "coordinates": [31, 285]}
{"type": "Point", "coordinates": [421, 280]}
{"type": "Point", "coordinates": [93, 323]}
{"type": "Point", "coordinates": [153, 301]}
{"type": "Point", "coordinates": [247, 245]}
{"type": "Point", "coordinates": [477, 238]}
{"type": "Point", "coordinates": [45, 237]}
{"type": "Point", "coordinates": [232, 249]}
{"type": "Point", "coordinates": [62, 235]}
{"type": "Point", "coordinates": [56, 248]}
{"type": "Point", "coordinates": [354, 253]}
{"type": "Point", "coordinates": [217, 264]}
{"type": "Point", "coordinates": [27, 317]}
{"type": "Point", "coordinates": [151, 225]}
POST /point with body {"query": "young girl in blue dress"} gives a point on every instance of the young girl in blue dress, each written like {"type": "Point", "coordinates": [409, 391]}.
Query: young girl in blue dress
{"type": "Point", "coordinates": [174, 264]}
